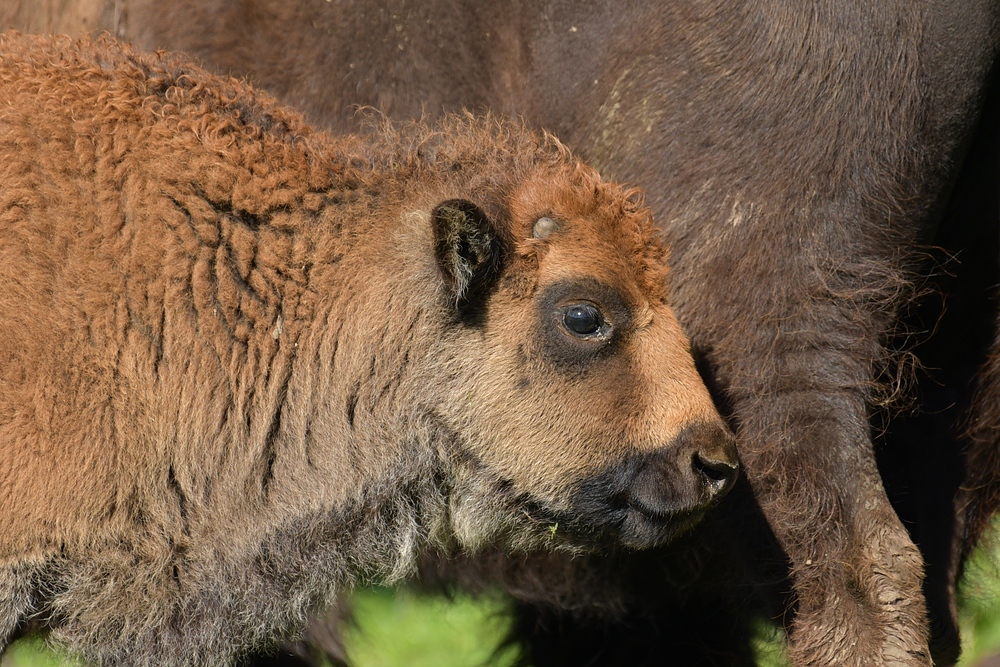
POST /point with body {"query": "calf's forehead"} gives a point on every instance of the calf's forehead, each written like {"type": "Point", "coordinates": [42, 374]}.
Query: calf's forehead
{"type": "Point", "coordinates": [564, 189]}
{"type": "Point", "coordinates": [567, 260]}
{"type": "Point", "coordinates": [599, 233]}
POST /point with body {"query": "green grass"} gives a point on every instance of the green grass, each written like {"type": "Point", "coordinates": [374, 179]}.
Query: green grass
{"type": "Point", "coordinates": [979, 601]}
{"type": "Point", "coordinates": [769, 646]}
{"type": "Point", "coordinates": [34, 653]}
{"type": "Point", "coordinates": [406, 629]}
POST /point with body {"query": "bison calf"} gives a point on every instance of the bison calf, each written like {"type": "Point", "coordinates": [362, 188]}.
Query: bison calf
{"type": "Point", "coordinates": [245, 364]}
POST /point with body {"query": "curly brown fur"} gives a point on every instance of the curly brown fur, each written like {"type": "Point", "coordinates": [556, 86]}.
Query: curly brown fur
{"type": "Point", "coordinates": [239, 375]}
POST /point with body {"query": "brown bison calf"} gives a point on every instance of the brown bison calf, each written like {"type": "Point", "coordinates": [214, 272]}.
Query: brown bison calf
{"type": "Point", "coordinates": [245, 364]}
{"type": "Point", "coordinates": [797, 156]}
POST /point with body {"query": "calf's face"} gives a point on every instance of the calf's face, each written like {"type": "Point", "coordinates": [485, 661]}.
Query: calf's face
{"type": "Point", "coordinates": [574, 400]}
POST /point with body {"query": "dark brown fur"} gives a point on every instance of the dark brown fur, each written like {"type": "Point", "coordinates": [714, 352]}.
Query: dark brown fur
{"type": "Point", "coordinates": [246, 364]}
{"type": "Point", "coordinates": [795, 157]}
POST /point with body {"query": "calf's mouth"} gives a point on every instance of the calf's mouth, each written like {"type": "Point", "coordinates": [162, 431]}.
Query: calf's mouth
{"type": "Point", "coordinates": [649, 498]}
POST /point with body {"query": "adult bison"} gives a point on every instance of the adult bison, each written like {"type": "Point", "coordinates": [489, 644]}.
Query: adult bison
{"type": "Point", "coordinates": [795, 156]}
{"type": "Point", "coordinates": [246, 364]}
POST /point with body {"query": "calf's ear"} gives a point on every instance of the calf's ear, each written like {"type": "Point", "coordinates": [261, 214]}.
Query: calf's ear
{"type": "Point", "coordinates": [469, 251]}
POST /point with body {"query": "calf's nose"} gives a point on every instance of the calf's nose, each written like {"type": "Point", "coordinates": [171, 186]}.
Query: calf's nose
{"type": "Point", "coordinates": [717, 475]}
{"type": "Point", "coordinates": [693, 471]}
{"type": "Point", "coordinates": [650, 497]}
{"type": "Point", "coordinates": [714, 460]}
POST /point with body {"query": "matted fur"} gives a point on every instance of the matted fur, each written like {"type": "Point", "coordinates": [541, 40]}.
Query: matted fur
{"type": "Point", "coordinates": [235, 380]}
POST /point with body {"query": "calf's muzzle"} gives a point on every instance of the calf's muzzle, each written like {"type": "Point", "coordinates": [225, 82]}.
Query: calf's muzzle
{"type": "Point", "coordinates": [652, 496]}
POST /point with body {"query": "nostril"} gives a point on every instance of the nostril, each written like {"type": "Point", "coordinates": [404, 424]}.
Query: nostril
{"type": "Point", "coordinates": [718, 475]}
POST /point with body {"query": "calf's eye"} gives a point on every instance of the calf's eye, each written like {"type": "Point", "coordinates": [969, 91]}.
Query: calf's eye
{"type": "Point", "coordinates": [585, 320]}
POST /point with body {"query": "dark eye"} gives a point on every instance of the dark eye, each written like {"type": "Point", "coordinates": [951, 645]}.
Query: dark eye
{"type": "Point", "coordinates": [584, 319]}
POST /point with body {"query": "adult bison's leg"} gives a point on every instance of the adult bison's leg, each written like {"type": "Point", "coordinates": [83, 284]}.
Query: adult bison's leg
{"type": "Point", "coordinates": [857, 575]}
{"type": "Point", "coordinates": [799, 355]}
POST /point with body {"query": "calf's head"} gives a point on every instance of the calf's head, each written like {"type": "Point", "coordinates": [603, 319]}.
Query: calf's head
{"type": "Point", "coordinates": [572, 407]}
